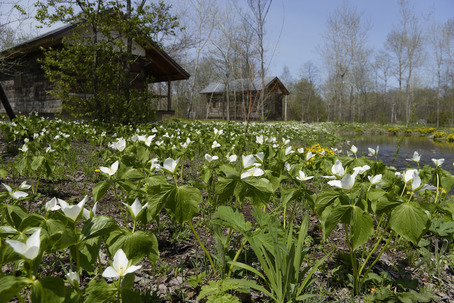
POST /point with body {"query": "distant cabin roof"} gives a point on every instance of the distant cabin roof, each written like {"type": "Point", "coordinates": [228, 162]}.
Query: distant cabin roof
{"type": "Point", "coordinates": [162, 66]}
{"type": "Point", "coordinates": [243, 85]}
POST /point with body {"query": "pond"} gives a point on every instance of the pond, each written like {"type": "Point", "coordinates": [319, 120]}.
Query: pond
{"type": "Point", "coordinates": [394, 150]}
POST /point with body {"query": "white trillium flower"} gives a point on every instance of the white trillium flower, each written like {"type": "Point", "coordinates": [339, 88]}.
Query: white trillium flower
{"type": "Point", "coordinates": [375, 179]}
{"type": "Point", "coordinates": [24, 148]}
{"type": "Point", "coordinates": [346, 182]}
{"type": "Point", "coordinates": [407, 176]}
{"type": "Point", "coordinates": [288, 167]}
{"type": "Point", "coordinates": [49, 149]}
{"type": "Point", "coordinates": [119, 145]}
{"type": "Point", "coordinates": [120, 266]}
{"type": "Point", "coordinates": [52, 205]}
{"type": "Point", "coordinates": [252, 172]}
{"type": "Point", "coordinates": [302, 176]}
{"type": "Point", "coordinates": [110, 170]}
{"type": "Point", "coordinates": [72, 211]}
{"type": "Point", "coordinates": [438, 162]}
{"type": "Point", "coordinates": [89, 214]}
{"type": "Point", "coordinates": [73, 278]}
{"type": "Point", "coordinates": [232, 158]}
{"type": "Point", "coordinates": [15, 194]}
{"type": "Point", "coordinates": [416, 181]}
{"type": "Point", "coordinates": [259, 139]}
{"type": "Point", "coordinates": [289, 150]}
{"type": "Point", "coordinates": [148, 140]}
{"type": "Point", "coordinates": [136, 208]}
{"type": "Point", "coordinates": [210, 158]}
{"type": "Point", "coordinates": [361, 169]}
{"type": "Point", "coordinates": [218, 132]}
{"type": "Point", "coordinates": [309, 156]}
{"type": "Point", "coordinates": [24, 185]}
{"type": "Point", "coordinates": [155, 165]}
{"type": "Point", "coordinates": [215, 144]}
{"type": "Point", "coordinates": [260, 156]}
{"type": "Point", "coordinates": [170, 165]}
{"type": "Point", "coordinates": [300, 150]}
{"type": "Point", "coordinates": [354, 149]}
{"type": "Point", "coordinates": [416, 157]}
{"type": "Point", "coordinates": [30, 249]}
{"type": "Point", "coordinates": [249, 161]}
{"type": "Point", "coordinates": [337, 169]}
{"type": "Point", "coordinates": [373, 152]}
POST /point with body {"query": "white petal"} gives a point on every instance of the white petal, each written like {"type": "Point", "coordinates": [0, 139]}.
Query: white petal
{"type": "Point", "coordinates": [24, 185]}
{"type": "Point", "coordinates": [132, 268]}
{"type": "Point", "coordinates": [114, 167]}
{"type": "Point", "coordinates": [19, 194]}
{"type": "Point", "coordinates": [7, 187]}
{"type": "Point", "coordinates": [72, 212]}
{"type": "Point", "coordinates": [120, 262]}
{"type": "Point", "coordinates": [136, 207]}
{"type": "Point", "coordinates": [110, 272]}
{"type": "Point", "coordinates": [17, 246]}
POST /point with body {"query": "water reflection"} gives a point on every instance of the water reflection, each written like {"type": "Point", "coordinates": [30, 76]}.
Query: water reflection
{"type": "Point", "coordinates": [394, 150]}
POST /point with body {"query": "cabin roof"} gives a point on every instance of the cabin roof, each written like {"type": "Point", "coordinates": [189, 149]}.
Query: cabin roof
{"type": "Point", "coordinates": [161, 68]}
{"type": "Point", "coordinates": [244, 85]}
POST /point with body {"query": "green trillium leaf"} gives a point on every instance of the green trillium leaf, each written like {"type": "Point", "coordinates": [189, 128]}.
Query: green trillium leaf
{"type": "Point", "coordinates": [362, 227]}
{"type": "Point", "coordinates": [410, 221]}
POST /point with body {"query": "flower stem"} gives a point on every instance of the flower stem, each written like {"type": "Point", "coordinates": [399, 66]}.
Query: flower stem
{"type": "Point", "coordinates": [119, 205]}
{"type": "Point", "coordinates": [201, 245]}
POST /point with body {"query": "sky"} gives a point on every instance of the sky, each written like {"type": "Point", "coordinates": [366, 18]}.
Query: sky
{"type": "Point", "coordinates": [302, 24]}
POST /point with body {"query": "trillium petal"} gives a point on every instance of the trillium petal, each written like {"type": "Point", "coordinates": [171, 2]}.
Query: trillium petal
{"type": "Point", "coordinates": [132, 268]}
{"type": "Point", "coordinates": [120, 262]}
{"type": "Point", "coordinates": [8, 188]}
{"type": "Point", "coordinates": [114, 167]}
{"type": "Point", "coordinates": [72, 212]}
{"type": "Point", "coordinates": [110, 272]}
{"type": "Point", "coordinates": [24, 185]}
{"type": "Point", "coordinates": [17, 246]}
{"type": "Point", "coordinates": [18, 194]}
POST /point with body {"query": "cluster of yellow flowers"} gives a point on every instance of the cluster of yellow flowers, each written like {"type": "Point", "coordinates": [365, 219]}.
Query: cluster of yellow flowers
{"type": "Point", "coordinates": [317, 148]}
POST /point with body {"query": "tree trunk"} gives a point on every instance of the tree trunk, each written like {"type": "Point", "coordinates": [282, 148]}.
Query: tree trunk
{"type": "Point", "coordinates": [6, 104]}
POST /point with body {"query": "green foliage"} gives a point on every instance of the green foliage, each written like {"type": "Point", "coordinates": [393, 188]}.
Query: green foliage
{"type": "Point", "coordinates": [94, 73]}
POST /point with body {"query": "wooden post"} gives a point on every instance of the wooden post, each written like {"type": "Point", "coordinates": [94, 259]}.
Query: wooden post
{"type": "Point", "coordinates": [6, 104]}
{"type": "Point", "coordinates": [285, 108]}
{"type": "Point", "coordinates": [169, 96]}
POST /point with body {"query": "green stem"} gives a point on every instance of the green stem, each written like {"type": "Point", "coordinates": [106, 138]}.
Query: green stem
{"type": "Point", "coordinates": [119, 205]}
{"type": "Point", "coordinates": [376, 259]}
{"type": "Point", "coordinates": [353, 261]}
{"type": "Point", "coordinates": [119, 289]}
{"type": "Point", "coordinates": [77, 251]}
{"type": "Point", "coordinates": [403, 190]}
{"type": "Point", "coordinates": [202, 246]}
{"type": "Point", "coordinates": [237, 255]}
{"type": "Point", "coordinates": [438, 185]}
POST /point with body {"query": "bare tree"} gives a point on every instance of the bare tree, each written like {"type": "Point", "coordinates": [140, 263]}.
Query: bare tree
{"type": "Point", "coordinates": [259, 10]}
{"type": "Point", "coordinates": [436, 40]}
{"type": "Point", "coordinates": [345, 54]}
{"type": "Point", "coordinates": [309, 71]}
{"type": "Point", "coordinates": [448, 47]}
{"type": "Point", "coordinates": [407, 45]}
{"type": "Point", "coordinates": [383, 69]}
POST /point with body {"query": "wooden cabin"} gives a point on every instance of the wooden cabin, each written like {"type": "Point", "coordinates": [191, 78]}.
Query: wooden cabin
{"type": "Point", "coordinates": [26, 86]}
{"type": "Point", "coordinates": [242, 96]}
